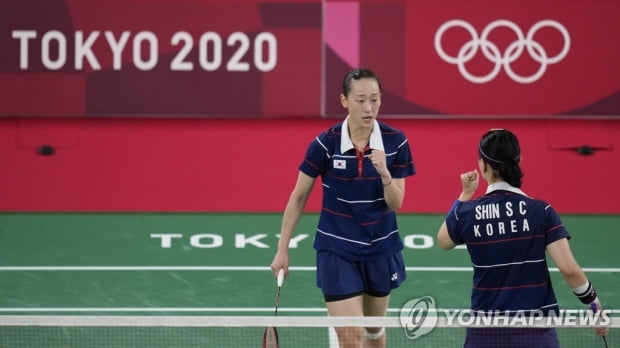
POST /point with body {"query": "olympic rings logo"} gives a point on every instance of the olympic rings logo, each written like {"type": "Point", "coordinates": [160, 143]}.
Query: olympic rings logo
{"type": "Point", "coordinates": [493, 54]}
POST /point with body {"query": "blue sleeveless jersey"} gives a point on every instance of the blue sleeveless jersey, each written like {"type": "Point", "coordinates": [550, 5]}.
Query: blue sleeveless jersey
{"type": "Point", "coordinates": [355, 222]}
{"type": "Point", "coordinates": [506, 234]}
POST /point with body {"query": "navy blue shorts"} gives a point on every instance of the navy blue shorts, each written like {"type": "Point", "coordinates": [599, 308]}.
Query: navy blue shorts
{"type": "Point", "coordinates": [511, 337]}
{"type": "Point", "coordinates": [340, 279]}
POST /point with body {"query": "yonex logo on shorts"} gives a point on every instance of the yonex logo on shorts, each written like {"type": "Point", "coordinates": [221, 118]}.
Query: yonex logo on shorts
{"type": "Point", "coordinates": [491, 52]}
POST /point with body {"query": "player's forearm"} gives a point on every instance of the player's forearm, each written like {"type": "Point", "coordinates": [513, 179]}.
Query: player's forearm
{"type": "Point", "coordinates": [574, 276]}
{"type": "Point", "coordinates": [443, 238]}
{"type": "Point", "coordinates": [393, 193]}
{"type": "Point", "coordinates": [465, 196]}
{"type": "Point", "coordinates": [290, 218]}
{"type": "Point", "coordinates": [563, 258]}
{"type": "Point", "coordinates": [286, 232]}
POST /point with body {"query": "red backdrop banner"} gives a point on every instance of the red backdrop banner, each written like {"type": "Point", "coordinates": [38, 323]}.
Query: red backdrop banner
{"type": "Point", "coordinates": [483, 58]}
{"type": "Point", "coordinates": [160, 58]}
{"type": "Point", "coordinates": [250, 165]}
{"type": "Point", "coordinates": [268, 58]}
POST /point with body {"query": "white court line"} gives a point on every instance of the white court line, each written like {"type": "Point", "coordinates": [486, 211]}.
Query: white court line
{"type": "Point", "coordinates": [211, 309]}
{"type": "Point", "coordinates": [160, 309]}
{"type": "Point", "coordinates": [249, 268]}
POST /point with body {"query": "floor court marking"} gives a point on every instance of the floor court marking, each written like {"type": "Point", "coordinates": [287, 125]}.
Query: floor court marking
{"type": "Point", "coordinates": [250, 268]}
{"type": "Point", "coordinates": [213, 268]}
{"type": "Point", "coordinates": [215, 309]}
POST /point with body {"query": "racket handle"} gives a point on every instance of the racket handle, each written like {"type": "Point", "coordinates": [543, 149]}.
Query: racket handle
{"type": "Point", "coordinates": [280, 277]}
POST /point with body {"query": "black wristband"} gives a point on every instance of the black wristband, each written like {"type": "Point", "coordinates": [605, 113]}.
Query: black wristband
{"type": "Point", "coordinates": [587, 296]}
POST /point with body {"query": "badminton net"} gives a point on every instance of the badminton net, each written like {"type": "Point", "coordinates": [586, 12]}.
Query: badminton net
{"type": "Point", "coordinates": [86, 331]}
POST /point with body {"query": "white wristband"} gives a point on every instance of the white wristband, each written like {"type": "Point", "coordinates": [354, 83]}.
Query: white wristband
{"type": "Point", "coordinates": [581, 289]}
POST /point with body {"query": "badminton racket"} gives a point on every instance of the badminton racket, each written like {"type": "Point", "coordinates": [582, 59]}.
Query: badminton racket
{"type": "Point", "coordinates": [270, 336]}
{"type": "Point", "coordinates": [594, 308]}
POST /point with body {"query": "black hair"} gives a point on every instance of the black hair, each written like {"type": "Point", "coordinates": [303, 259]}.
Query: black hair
{"type": "Point", "coordinates": [500, 149]}
{"type": "Point", "coordinates": [358, 74]}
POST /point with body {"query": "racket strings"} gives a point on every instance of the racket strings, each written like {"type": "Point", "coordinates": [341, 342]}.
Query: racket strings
{"type": "Point", "coordinates": [277, 300]}
{"type": "Point", "coordinates": [270, 336]}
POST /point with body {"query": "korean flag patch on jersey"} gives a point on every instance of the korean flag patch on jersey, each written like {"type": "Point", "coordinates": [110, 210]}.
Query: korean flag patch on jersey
{"type": "Point", "coordinates": [340, 164]}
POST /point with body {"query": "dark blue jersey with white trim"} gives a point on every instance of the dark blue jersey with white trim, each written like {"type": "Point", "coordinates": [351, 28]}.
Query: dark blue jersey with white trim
{"type": "Point", "coordinates": [355, 222]}
{"type": "Point", "coordinates": [507, 233]}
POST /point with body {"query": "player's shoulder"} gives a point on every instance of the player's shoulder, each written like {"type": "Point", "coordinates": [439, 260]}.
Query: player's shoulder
{"type": "Point", "coordinates": [545, 205]}
{"type": "Point", "coordinates": [332, 133]}
{"type": "Point", "coordinates": [335, 129]}
{"type": "Point", "coordinates": [329, 136]}
{"type": "Point", "coordinates": [539, 204]}
{"type": "Point", "coordinates": [470, 205]}
{"type": "Point", "coordinates": [388, 129]}
{"type": "Point", "coordinates": [393, 138]}
{"type": "Point", "coordinates": [535, 200]}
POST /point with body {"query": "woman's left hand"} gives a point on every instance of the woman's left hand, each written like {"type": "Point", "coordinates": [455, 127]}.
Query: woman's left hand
{"type": "Point", "coordinates": [377, 158]}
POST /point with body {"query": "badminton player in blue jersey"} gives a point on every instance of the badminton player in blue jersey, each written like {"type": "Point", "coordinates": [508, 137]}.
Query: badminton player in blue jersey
{"type": "Point", "coordinates": [363, 164]}
{"type": "Point", "coordinates": [507, 234]}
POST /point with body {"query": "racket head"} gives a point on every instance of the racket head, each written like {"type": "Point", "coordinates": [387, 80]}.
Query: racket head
{"type": "Point", "coordinates": [270, 338]}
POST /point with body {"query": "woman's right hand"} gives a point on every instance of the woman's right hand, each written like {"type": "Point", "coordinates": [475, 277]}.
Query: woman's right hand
{"type": "Point", "coordinates": [603, 330]}
{"type": "Point", "coordinates": [469, 181]}
{"type": "Point", "coordinates": [280, 261]}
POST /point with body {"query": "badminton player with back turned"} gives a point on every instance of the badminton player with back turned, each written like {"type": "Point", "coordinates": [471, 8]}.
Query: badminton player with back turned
{"type": "Point", "coordinates": [507, 234]}
{"type": "Point", "coordinates": [362, 164]}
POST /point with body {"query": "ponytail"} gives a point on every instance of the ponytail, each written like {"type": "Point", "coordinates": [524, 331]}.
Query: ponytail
{"type": "Point", "coordinates": [499, 148]}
